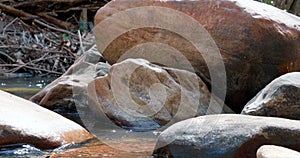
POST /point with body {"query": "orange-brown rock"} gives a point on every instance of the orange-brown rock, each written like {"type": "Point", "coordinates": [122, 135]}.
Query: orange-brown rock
{"type": "Point", "coordinates": [60, 93]}
{"type": "Point", "coordinates": [119, 148]}
{"type": "Point", "coordinates": [104, 151]}
{"type": "Point", "coordinates": [139, 94]}
{"type": "Point", "coordinates": [67, 94]}
{"type": "Point", "coordinates": [258, 42]}
{"type": "Point", "coordinates": [23, 122]}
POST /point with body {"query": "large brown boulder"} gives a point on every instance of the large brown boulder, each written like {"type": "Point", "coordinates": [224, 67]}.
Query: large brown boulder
{"type": "Point", "coordinates": [23, 122]}
{"type": "Point", "coordinates": [280, 98]}
{"type": "Point", "coordinates": [226, 136]}
{"type": "Point", "coordinates": [139, 94]}
{"type": "Point", "coordinates": [258, 42]}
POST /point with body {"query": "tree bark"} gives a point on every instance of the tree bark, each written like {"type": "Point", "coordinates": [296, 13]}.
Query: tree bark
{"type": "Point", "coordinates": [295, 8]}
{"type": "Point", "coordinates": [292, 6]}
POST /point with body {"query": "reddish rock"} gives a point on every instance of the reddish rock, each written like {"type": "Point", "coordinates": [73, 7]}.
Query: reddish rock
{"type": "Point", "coordinates": [61, 93]}
{"type": "Point", "coordinates": [95, 151]}
{"type": "Point", "coordinates": [257, 41]}
{"type": "Point", "coordinates": [22, 121]}
{"type": "Point", "coordinates": [104, 151]}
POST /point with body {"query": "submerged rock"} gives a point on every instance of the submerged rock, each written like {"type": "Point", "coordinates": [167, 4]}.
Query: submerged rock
{"type": "Point", "coordinates": [137, 93]}
{"type": "Point", "coordinates": [226, 136]}
{"type": "Point", "coordinates": [272, 151]}
{"type": "Point", "coordinates": [281, 98]}
{"type": "Point", "coordinates": [24, 122]}
{"type": "Point", "coordinates": [104, 151]}
{"type": "Point", "coordinates": [258, 42]}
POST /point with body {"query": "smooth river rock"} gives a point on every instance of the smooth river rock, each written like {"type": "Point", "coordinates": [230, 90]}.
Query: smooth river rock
{"type": "Point", "coordinates": [273, 151]}
{"type": "Point", "coordinates": [281, 98]}
{"type": "Point", "coordinates": [23, 122]}
{"type": "Point", "coordinates": [258, 42]}
{"type": "Point", "coordinates": [226, 136]}
{"type": "Point", "coordinates": [139, 94]}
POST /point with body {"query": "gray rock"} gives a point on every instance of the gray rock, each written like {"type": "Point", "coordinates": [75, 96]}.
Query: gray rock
{"type": "Point", "coordinates": [281, 98]}
{"type": "Point", "coordinates": [226, 136]}
{"type": "Point", "coordinates": [22, 121]}
{"type": "Point", "coordinates": [272, 151]}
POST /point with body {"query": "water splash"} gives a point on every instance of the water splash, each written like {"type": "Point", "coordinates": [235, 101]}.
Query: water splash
{"type": "Point", "coordinates": [20, 151]}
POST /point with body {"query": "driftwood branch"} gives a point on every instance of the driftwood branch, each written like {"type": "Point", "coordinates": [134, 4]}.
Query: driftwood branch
{"type": "Point", "coordinates": [38, 2]}
{"type": "Point", "coordinates": [17, 12]}
{"type": "Point", "coordinates": [94, 8]}
{"type": "Point", "coordinates": [57, 22]}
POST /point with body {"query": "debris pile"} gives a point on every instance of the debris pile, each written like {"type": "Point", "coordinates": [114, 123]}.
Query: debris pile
{"type": "Point", "coordinates": [44, 37]}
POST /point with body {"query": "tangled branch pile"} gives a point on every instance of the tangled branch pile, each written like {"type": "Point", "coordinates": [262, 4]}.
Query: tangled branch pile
{"type": "Point", "coordinates": [44, 37]}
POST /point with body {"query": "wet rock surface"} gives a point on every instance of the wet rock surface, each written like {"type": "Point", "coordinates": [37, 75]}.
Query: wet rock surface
{"type": "Point", "coordinates": [226, 136]}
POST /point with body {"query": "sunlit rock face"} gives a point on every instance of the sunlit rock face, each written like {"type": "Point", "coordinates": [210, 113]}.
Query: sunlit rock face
{"type": "Point", "coordinates": [23, 122]}
{"type": "Point", "coordinates": [272, 151]}
{"type": "Point", "coordinates": [142, 95]}
{"type": "Point", "coordinates": [257, 42]}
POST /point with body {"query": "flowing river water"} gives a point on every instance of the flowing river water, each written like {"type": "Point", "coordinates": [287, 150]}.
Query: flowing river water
{"type": "Point", "coordinates": [27, 87]}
